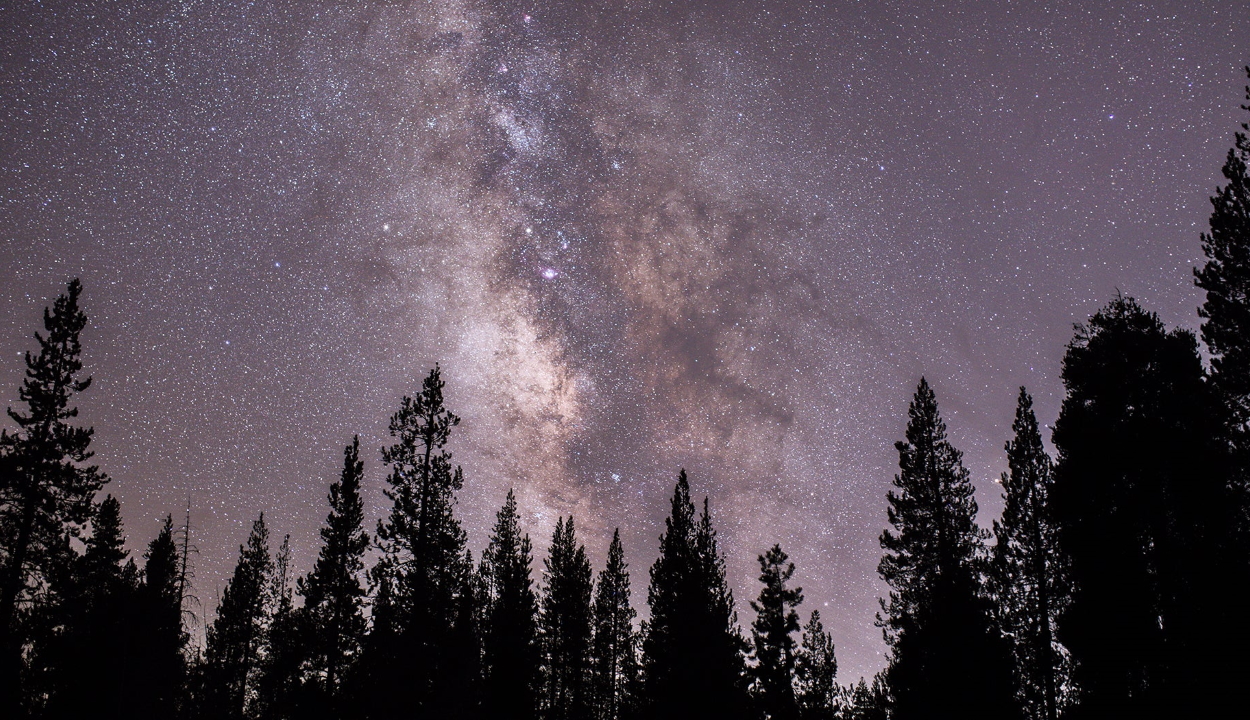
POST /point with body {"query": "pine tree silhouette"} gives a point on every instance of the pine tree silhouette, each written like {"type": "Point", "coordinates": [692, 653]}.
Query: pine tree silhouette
{"type": "Point", "coordinates": [332, 622]}
{"type": "Point", "coordinates": [1226, 331]}
{"type": "Point", "coordinates": [46, 487]}
{"type": "Point", "coordinates": [237, 635]}
{"type": "Point", "coordinates": [816, 672]}
{"type": "Point", "coordinates": [692, 649]}
{"type": "Point", "coordinates": [422, 547]}
{"type": "Point", "coordinates": [615, 671]}
{"type": "Point", "coordinates": [159, 637]}
{"type": "Point", "coordinates": [1027, 570]}
{"type": "Point", "coordinates": [510, 641]}
{"type": "Point", "coordinates": [278, 682]}
{"type": "Point", "coordinates": [564, 627]}
{"type": "Point", "coordinates": [464, 661]}
{"type": "Point", "coordinates": [89, 659]}
{"type": "Point", "coordinates": [866, 702]}
{"type": "Point", "coordinates": [772, 636]}
{"type": "Point", "coordinates": [1226, 279]}
{"type": "Point", "coordinates": [936, 622]}
{"type": "Point", "coordinates": [1145, 519]}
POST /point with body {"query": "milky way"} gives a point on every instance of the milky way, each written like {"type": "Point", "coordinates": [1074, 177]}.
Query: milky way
{"type": "Point", "coordinates": [637, 236]}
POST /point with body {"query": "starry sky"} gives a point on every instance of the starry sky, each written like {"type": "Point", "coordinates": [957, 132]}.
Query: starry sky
{"type": "Point", "coordinates": [637, 235]}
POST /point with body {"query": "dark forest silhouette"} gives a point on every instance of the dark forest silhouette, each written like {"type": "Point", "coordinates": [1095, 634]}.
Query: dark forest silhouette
{"type": "Point", "coordinates": [1115, 584]}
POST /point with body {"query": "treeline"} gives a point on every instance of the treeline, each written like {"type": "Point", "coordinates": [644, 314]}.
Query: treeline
{"type": "Point", "coordinates": [1113, 585]}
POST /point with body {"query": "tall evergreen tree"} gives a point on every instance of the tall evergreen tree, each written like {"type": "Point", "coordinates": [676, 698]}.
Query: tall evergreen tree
{"type": "Point", "coordinates": [725, 674]}
{"type": "Point", "coordinates": [90, 662]}
{"type": "Point", "coordinates": [564, 627]}
{"type": "Point", "coordinates": [1144, 518]}
{"type": "Point", "coordinates": [867, 702]}
{"type": "Point", "coordinates": [510, 642]}
{"type": "Point", "coordinates": [237, 635]}
{"type": "Point", "coordinates": [615, 660]}
{"type": "Point", "coordinates": [772, 636]}
{"type": "Point", "coordinates": [1226, 279]}
{"type": "Point", "coordinates": [278, 681]}
{"type": "Point", "coordinates": [464, 662]}
{"type": "Point", "coordinates": [936, 621]}
{"type": "Point", "coordinates": [422, 545]}
{"type": "Point", "coordinates": [332, 618]}
{"type": "Point", "coordinates": [1226, 331]}
{"type": "Point", "coordinates": [160, 639]}
{"type": "Point", "coordinates": [815, 673]}
{"type": "Point", "coordinates": [369, 685]}
{"type": "Point", "coordinates": [1026, 574]}
{"type": "Point", "coordinates": [692, 648]}
{"type": "Point", "coordinates": [46, 487]}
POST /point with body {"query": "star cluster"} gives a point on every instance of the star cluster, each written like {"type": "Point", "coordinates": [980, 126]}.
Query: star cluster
{"type": "Point", "coordinates": [638, 236]}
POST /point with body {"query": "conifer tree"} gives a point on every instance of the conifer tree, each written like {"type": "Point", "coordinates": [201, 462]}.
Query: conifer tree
{"type": "Point", "coordinates": [1026, 574]}
{"type": "Point", "coordinates": [692, 649]}
{"type": "Point", "coordinates": [46, 489]}
{"type": "Point", "coordinates": [1226, 331]}
{"type": "Point", "coordinates": [772, 636]}
{"type": "Point", "coordinates": [159, 636]}
{"type": "Point", "coordinates": [564, 627]}
{"type": "Point", "coordinates": [725, 673]}
{"type": "Point", "coordinates": [1226, 279]}
{"type": "Point", "coordinates": [674, 599]}
{"type": "Point", "coordinates": [815, 672]}
{"type": "Point", "coordinates": [422, 545]}
{"type": "Point", "coordinates": [370, 682]}
{"type": "Point", "coordinates": [510, 642]}
{"type": "Point", "coordinates": [237, 635]}
{"type": "Point", "coordinates": [1145, 518]}
{"type": "Point", "coordinates": [936, 622]}
{"type": "Point", "coordinates": [332, 619]}
{"type": "Point", "coordinates": [278, 682]}
{"type": "Point", "coordinates": [867, 702]}
{"type": "Point", "coordinates": [615, 661]}
{"type": "Point", "coordinates": [105, 557]}
{"type": "Point", "coordinates": [90, 656]}
{"type": "Point", "coordinates": [464, 662]}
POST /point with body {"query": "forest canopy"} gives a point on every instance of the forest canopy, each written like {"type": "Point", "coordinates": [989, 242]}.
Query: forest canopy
{"type": "Point", "coordinates": [1112, 585]}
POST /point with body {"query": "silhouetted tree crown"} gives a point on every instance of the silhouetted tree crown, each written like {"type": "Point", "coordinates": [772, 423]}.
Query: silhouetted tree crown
{"type": "Point", "coordinates": [332, 617]}
{"type": "Point", "coordinates": [87, 655]}
{"type": "Point", "coordinates": [158, 633]}
{"type": "Point", "coordinates": [279, 679]}
{"type": "Point", "coordinates": [422, 538]}
{"type": "Point", "coordinates": [692, 647]}
{"type": "Point", "coordinates": [772, 635]}
{"type": "Point", "coordinates": [1113, 588]}
{"type": "Point", "coordinates": [1226, 279]}
{"type": "Point", "coordinates": [1027, 570]}
{"type": "Point", "coordinates": [1226, 331]}
{"type": "Point", "coordinates": [1145, 518]}
{"type": "Point", "coordinates": [815, 672]}
{"type": "Point", "coordinates": [565, 628]}
{"type": "Point", "coordinates": [420, 573]}
{"type": "Point", "coordinates": [46, 487]}
{"type": "Point", "coordinates": [510, 638]}
{"type": "Point", "coordinates": [235, 638]}
{"type": "Point", "coordinates": [936, 620]}
{"type": "Point", "coordinates": [615, 669]}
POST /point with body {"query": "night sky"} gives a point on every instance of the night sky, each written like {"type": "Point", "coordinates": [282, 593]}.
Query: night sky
{"type": "Point", "coordinates": [725, 236]}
